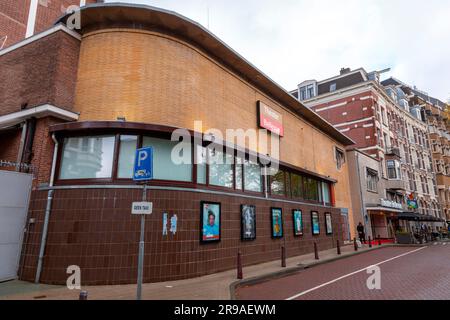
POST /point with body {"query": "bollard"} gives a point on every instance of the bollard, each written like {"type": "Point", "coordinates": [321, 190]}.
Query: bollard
{"type": "Point", "coordinates": [283, 257]}
{"type": "Point", "coordinates": [316, 252]}
{"type": "Point", "coordinates": [379, 240]}
{"type": "Point", "coordinates": [370, 242]}
{"type": "Point", "coordinates": [83, 295]}
{"type": "Point", "coordinates": [338, 246]}
{"type": "Point", "coordinates": [239, 266]}
{"type": "Point", "coordinates": [355, 245]}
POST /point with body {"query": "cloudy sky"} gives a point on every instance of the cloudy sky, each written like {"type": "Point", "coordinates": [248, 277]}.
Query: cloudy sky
{"type": "Point", "coordinates": [294, 40]}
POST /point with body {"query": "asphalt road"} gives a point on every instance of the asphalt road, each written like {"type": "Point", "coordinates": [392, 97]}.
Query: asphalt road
{"type": "Point", "coordinates": [406, 273]}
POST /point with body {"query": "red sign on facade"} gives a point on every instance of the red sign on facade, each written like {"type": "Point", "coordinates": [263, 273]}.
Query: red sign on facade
{"type": "Point", "coordinates": [270, 119]}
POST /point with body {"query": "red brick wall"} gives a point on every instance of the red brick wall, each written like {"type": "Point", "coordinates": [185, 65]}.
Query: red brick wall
{"type": "Point", "coordinates": [14, 16]}
{"type": "Point", "coordinates": [54, 9]}
{"type": "Point", "coordinates": [94, 229]}
{"type": "Point", "coordinates": [353, 110]}
{"type": "Point", "coordinates": [41, 72]}
{"type": "Point", "coordinates": [10, 143]}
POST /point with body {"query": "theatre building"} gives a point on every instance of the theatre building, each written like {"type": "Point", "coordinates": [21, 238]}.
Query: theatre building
{"type": "Point", "coordinates": [76, 104]}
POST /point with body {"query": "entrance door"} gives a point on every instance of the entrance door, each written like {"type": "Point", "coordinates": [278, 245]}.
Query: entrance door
{"type": "Point", "coordinates": [345, 225]}
{"type": "Point", "coordinates": [15, 191]}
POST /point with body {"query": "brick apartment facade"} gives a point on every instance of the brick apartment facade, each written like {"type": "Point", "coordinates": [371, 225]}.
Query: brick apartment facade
{"type": "Point", "coordinates": [435, 113]}
{"type": "Point", "coordinates": [120, 83]}
{"type": "Point", "coordinates": [15, 16]}
{"type": "Point", "coordinates": [383, 125]}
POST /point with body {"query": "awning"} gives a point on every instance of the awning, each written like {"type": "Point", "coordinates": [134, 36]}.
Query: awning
{"type": "Point", "coordinates": [44, 110]}
{"type": "Point", "coordinates": [413, 216]}
{"type": "Point", "coordinates": [383, 209]}
{"type": "Point", "coordinates": [408, 216]}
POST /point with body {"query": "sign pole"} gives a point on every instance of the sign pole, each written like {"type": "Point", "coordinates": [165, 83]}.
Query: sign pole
{"type": "Point", "coordinates": [141, 248]}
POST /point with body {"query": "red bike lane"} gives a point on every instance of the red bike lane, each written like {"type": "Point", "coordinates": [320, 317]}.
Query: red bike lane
{"type": "Point", "coordinates": [406, 273]}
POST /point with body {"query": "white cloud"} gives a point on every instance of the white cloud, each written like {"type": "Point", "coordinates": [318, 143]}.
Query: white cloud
{"type": "Point", "coordinates": [292, 40]}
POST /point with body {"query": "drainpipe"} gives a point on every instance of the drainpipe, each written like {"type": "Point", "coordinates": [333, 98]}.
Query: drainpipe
{"type": "Point", "coordinates": [47, 213]}
{"type": "Point", "coordinates": [363, 204]}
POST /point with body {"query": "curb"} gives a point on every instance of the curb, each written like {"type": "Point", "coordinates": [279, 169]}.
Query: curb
{"type": "Point", "coordinates": [288, 271]}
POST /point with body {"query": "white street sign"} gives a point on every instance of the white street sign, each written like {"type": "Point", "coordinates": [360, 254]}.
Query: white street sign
{"type": "Point", "coordinates": [142, 208]}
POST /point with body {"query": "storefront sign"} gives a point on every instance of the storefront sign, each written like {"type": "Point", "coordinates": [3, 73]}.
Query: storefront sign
{"type": "Point", "coordinates": [391, 204]}
{"type": "Point", "coordinates": [270, 119]}
{"type": "Point", "coordinates": [412, 204]}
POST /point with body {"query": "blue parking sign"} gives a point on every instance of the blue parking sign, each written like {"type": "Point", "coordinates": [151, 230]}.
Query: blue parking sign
{"type": "Point", "coordinates": [143, 164]}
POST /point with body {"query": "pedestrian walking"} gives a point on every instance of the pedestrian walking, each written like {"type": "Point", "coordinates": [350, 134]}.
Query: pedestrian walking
{"type": "Point", "coordinates": [361, 234]}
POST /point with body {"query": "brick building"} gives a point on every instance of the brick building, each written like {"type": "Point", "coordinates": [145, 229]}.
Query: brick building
{"type": "Point", "coordinates": [434, 113]}
{"type": "Point", "coordinates": [20, 19]}
{"type": "Point", "coordinates": [128, 78]}
{"type": "Point", "coordinates": [383, 125]}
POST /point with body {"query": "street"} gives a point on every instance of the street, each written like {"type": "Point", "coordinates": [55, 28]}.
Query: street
{"type": "Point", "coordinates": [407, 273]}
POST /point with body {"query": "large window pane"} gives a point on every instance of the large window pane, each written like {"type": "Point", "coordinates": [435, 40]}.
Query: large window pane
{"type": "Point", "coordinates": [277, 185]}
{"type": "Point", "coordinates": [87, 157]}
{"type": "Point", "coordinates": [163, 166]}
{"type": "Point", "coordinates": [220, 169]}
{"type": "Point", "coordinates": [252, 176]}
{"type": "Point", "coordinates": [326, 192]}
{"type": "Point", "coordinates": [297, 186]}
{"type": "Point", "coordinates": [311, 189]}
{"type": "Point", "coordinates": [201, 165]}
{"type": "Point", "coordinates": [239, 172]}
{"type": "Point", "coordinates": [126, 156]}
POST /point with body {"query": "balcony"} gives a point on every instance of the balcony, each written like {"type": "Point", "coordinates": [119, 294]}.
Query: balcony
{"type": "Point", "coordinates": [393, 151]}
{"type": "Point", "coordinates": [396, 185]}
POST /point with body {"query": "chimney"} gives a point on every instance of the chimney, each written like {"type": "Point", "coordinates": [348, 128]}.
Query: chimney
{"type": "Point", "coordinates": [345, 70]}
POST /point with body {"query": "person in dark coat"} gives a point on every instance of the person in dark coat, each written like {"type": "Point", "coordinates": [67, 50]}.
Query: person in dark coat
{"type": "Point", "coordinates": [361, 234]}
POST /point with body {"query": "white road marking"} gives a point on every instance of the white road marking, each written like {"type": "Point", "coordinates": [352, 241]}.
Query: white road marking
{"type": "Point", "coordinates": [351, 274]}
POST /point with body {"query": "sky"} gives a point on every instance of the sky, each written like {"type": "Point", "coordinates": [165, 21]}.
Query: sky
{"type": "Point", "coordinates": [296, 40]}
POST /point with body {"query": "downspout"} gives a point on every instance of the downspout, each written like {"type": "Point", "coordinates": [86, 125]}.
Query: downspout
{"type": "Point", "coordinates": [47, 212]}
{"type": "Point", "coordinates": [363, 204]}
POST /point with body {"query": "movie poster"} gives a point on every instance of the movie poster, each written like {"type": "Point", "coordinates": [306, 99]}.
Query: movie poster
{"type": "Point", "coordinates": [210, 221]}
{"type": "Point", "coordinates": [315, 223]}
{"type": "Point", "coordinates": [328, 223]}
{"type": "Point", "coordinates": [248, 222]}
{"type": "Point", "coordinates": [298, 222]}
{"type": "Point", "coordinates": [277, 222]}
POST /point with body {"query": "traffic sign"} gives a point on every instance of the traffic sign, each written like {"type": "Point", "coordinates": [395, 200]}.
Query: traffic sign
{"type": "Point", "coordinates": [143, 164]}
{"type": "Point", "coordinates": [142, 208]}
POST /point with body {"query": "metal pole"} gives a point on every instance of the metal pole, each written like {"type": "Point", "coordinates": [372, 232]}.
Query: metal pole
{"type": "Point", "coordinates": [44, 236]}
{"type": "Point", "coordinates": [141, 249]}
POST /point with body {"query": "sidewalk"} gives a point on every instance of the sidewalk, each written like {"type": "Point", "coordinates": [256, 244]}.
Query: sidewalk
{"type": "Point", "coordinates": [211, 287]}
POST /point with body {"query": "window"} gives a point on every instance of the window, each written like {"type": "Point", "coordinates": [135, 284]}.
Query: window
{"type": "Point", "coordinates": [87, 157]}
{"type": "Point", "coordinates": [297, 186]}
{"type": "Point", "coordinates": [340, 158]}
{"type": "Point", "coordinates": [127, 153]}
{"type": "Point", "coordinates": [393, 169]}
{"type": "Point", "coordinates": [277, 184]}
{"type": "Point", "coordinates": [311, 189]}
{"type": "Point", "coordinates": [332, 87]}
{"type": "Point", "coordinates": [239, 172]}
{"type": "Point", "coordinates": [326, 192]}
{"type": "Point", "coordinates": [220, 169]}
{"type": "Point", "coordinates": [303, 93]}
{"type": "Point", "coordinates": [307, 92]}
{"type": "Point", "coordinates": [201, 165]}
{"type": "Point", "coordinates": [164, 167]}
{"type": "Point", "coordinates": [252, 177]}
{"type": "Point", "coordinates": [372, 180]}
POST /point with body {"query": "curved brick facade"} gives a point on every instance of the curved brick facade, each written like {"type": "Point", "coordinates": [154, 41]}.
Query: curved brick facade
{"type": "Point", "coordinates": [161, 78]}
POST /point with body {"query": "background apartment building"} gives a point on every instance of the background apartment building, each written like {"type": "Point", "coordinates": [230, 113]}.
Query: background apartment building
{"type": "Point", "coordinates": [434, 113]}
{"type": "Point", "coordinates": [20, 19]}
{"type": "Point", "coordinates": [384, 126]}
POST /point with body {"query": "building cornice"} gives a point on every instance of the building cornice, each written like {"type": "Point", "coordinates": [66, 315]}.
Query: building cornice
{"type": "Point", "coordinates": [38, 36]}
